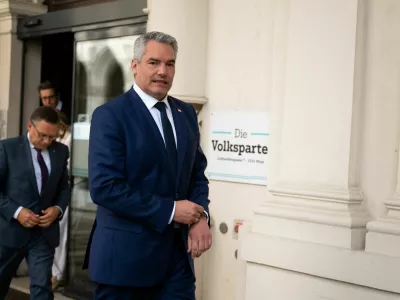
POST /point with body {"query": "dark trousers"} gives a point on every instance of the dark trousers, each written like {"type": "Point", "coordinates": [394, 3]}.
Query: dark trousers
{"type": "Point", "coordinates": [180, 284]}
{"type": "Point", "coordinates": [39, 256]}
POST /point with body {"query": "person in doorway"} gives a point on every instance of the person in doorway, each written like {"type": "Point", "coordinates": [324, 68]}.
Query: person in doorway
{"type": "Point", "coordinates": [34, 193]}
{"type": "Point", "coordinates": [49, 96]}
{"type": "Point", "coordinates": [60, 256]}
{"type": "Point", "coordinates": [146, 174]}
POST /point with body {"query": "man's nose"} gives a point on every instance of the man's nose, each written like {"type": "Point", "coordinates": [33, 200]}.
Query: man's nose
{"type": "Point", "coordinates": [162, 70]}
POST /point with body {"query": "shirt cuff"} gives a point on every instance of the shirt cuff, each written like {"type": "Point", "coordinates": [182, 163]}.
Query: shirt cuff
{"type": "Point", "coordinates": [172, 215]}
{"type": "Point", "coordinates": [208, 218]}
{"type": "Point", "coordinates": [17, 212]}
{"type": "Point", "coordinates": [61, 212]}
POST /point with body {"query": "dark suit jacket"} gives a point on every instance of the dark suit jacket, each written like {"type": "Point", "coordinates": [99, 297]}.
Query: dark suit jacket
{"type": "Point", "coordinates": [132, 184]}
{"type": "Point", "coordinates": [18, 187]}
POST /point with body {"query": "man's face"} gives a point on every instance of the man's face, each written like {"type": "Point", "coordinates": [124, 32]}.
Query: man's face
{"type": "Point", "coordinates": [49, 97]}
{"type": "Point", "coordinates": [155, 73]}
{"type": "Point", "coordinates": [42, 134]}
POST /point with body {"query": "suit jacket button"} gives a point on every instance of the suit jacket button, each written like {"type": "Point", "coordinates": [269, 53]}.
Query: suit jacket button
{"type": "Point", "coordinates": [177, 196]}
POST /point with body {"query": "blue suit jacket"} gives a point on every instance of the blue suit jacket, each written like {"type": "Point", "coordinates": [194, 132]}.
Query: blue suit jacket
{"type": "Point", "coordinates": [132, 184]}
{"type": "Point", "coordinates": [18, 187]}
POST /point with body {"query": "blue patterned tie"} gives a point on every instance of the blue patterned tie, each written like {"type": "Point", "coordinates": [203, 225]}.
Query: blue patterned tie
{"type": "Point", "coordinates": [168, 136]}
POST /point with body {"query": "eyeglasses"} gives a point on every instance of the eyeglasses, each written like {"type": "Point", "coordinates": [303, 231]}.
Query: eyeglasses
{"type": "Point", "coordinates": [49, 97]}
{"type": "Point", "coordinates": [42, 135]}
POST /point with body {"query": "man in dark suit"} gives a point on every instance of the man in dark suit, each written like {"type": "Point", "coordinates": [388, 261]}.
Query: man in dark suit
{"type": "Point", "coordinates": [50, 97]}
{"type": "Point", "coordinates": [146, 171]}
{"type": "Point", "coordinates": [34, 192]}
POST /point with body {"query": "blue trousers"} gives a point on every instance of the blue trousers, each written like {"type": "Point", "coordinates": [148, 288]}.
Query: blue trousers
{"type": "Point", "coordinates": [39, 256]}
{"type": "Point", "coordinates": [180, 284]}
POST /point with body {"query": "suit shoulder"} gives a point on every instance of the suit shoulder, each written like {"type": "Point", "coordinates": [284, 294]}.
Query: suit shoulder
{"type": "Point", "coordinates": [181, 104]}
{"type": "Point", "coordinates": [59, 146]}
{"type": "Point", "coordinates": [12, 142]}
{"type": "Point", "coordinates": [115, 104]}
{"type": "Point", "coordinates": [186, 107]}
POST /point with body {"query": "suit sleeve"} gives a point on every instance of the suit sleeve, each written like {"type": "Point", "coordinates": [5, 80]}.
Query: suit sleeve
{"type": "Point", "coordinates": [7, 206]}
{"type": "Point", "coordinates": [109, 187]}
{"type": "Point", "coordinates": [64, 189]}
{"type": "Point", "coordinates": [198, 191]}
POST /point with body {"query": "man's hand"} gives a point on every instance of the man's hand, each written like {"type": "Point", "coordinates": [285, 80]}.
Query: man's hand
{"type": "Point", "coordinates": [187, 212]}
{"type": "Point", "coordinates": [49, 216]}
{"type": "Point", "coordinates": [27, 218]}
{"type": "Point", "coordinates": [200, 238]}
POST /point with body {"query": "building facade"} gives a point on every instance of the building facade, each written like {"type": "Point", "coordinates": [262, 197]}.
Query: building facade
{"type": "Point", "coordinates": [327, 224]}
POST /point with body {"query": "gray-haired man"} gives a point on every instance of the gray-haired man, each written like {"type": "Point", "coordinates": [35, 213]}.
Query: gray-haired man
{"type": "Point", "coordinates": [146, 171]}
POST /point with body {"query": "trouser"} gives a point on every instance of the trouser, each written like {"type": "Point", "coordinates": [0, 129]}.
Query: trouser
{"type": "Point", "coordinates": [39, 256]}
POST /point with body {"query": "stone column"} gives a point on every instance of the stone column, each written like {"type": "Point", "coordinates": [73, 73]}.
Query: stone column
{"type": "Point", "coordinates": [315, 125]}
{"type": "Point", "coordinates": [187, 21]}
{"type": "Point", "coordinates": [383, 235]}
{"type": "Point", "coordinates": [11, 54]}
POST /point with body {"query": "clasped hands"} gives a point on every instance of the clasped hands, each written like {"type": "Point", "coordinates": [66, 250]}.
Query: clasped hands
{"type": "Point", "coordinates": [200, 238]}
{"type": "Point", "coordinates": [28, 219]}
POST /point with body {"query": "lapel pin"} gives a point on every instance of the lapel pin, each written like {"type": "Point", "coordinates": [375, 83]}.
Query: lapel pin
{"type": "Point", "coordinates": [180, 110]}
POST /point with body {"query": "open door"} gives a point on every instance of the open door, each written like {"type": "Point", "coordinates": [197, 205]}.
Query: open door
{"type": "Point", "coordinates": [101, 72]}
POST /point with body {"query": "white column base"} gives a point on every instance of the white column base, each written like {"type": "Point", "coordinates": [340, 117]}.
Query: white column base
{"type": "Point", "coordinates": [383, 235]}
{"type": "Point", "coordinates": [333, 218]}
{"type": "Point", "coordinates": [354, 269]}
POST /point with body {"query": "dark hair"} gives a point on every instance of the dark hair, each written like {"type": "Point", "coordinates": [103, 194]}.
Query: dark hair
{"type": "Point", "coordinates": [46, 85]}
{"type": "Point", "coordinates": [45, 113]}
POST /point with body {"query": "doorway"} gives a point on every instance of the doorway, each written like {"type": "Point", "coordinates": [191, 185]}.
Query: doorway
{"type": "Point", "coordinates": [57, 66]}
{"type": "Point", "coordinates": [102, 72]}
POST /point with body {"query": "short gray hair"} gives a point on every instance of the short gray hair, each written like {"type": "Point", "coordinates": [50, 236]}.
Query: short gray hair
{"type": "Point", "coordinates": [160, 37]}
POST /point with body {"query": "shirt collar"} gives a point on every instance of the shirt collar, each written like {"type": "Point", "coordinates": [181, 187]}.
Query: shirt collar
{"type": "Point", "coordinates": [30, 144]}
{"type": "Point", "coordinates": [59, 105]}
{"type": "Point", "coordinates": [148, 100]}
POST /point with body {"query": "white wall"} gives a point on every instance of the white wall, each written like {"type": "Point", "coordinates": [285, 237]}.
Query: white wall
{"type": "Point", "coordinates": [267, 283]}
{"type": "Point", "coordinates": [238, 79]}
{"type": "Point", "coordinates": [334, 72]}
{"type": "Point", "coordinates": [341, 73]}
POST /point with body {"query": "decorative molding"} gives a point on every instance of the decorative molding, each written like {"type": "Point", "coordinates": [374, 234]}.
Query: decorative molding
{"type": "Point", "coordinates": [356, 267]}
{"type": "Point", "coordinates": [351, 195]}
{"type": "Point", "coordinates": [18, 7]}
{"type": "Point", "coordinates": [191, 99]}
{"type": "Point", "coordinates": [55, 5]}
{"type": "Point", "coordinates": [351, 218]}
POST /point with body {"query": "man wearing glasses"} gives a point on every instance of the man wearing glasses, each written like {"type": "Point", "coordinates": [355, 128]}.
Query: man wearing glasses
{"type": "Point", "coordinates": [34, 193]}
{"type": "Point", "coordinates": [49, 96]}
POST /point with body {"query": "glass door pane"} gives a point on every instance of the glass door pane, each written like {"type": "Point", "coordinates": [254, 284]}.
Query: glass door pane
{"type": "Point", "coordinates": [102, 72]}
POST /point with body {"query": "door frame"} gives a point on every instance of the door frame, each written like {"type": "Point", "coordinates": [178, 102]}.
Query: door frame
{"type": "Point", "coordinates": [139, 27]}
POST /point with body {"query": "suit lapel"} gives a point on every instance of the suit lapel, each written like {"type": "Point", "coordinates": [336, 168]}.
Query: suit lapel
{"type": "Point", "coordinates": [31, 169]}
{"type": "Point", "coordinates": [144, 118]}
{"type": "Point", "coordinates": [180, 123]}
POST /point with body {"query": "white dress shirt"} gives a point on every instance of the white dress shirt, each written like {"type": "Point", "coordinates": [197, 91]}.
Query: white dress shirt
{"type": "Point", "coordinates": [38, 173]}
{"type": "Point", "coordinates": [59, 105]}
{"type": "Point", "coordinates": [149, 101]}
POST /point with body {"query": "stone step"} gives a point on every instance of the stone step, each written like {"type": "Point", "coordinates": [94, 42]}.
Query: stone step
{"type": "Point", "coordinates": [19, 290]}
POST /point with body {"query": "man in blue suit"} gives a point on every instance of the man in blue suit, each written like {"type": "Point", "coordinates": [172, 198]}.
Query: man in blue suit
{"type": "Point", "coordinates": [146, 171]}
{"type": "Point", "coordinates": [34, 193]}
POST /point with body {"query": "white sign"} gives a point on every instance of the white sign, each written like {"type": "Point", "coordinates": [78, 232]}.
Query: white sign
{"type": "Point", "coordinates": [238, 147]}
{"type": "Point", "coordinates": [81, 131]}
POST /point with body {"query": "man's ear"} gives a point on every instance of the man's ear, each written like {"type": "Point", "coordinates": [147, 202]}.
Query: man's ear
{"type": "Point", "coordinates": [134, 65]}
